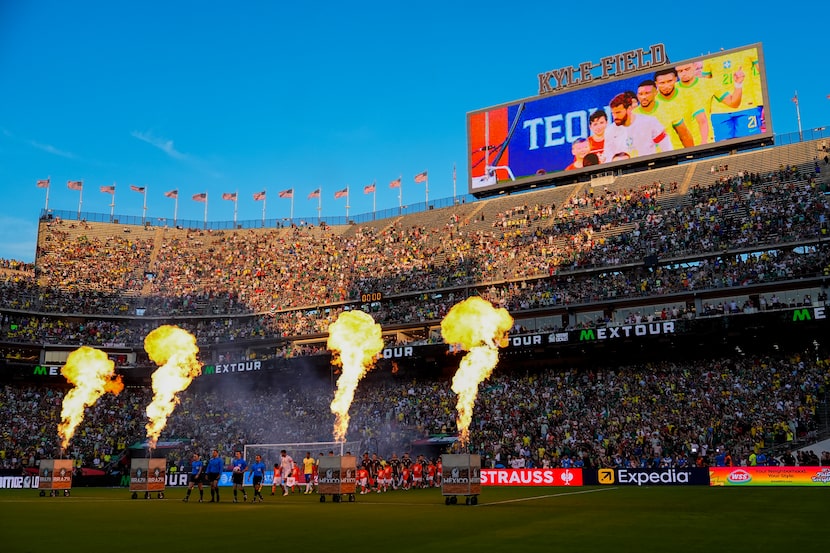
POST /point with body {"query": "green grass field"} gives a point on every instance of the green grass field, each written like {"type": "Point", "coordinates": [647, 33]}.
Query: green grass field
{"type": "Point", "coordinates": [505, 519]}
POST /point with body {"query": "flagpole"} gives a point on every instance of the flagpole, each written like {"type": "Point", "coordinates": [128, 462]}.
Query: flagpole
{"type": "Point", "coordinates": [426, 190]}
{"type": "Point", "coordinates": [264, 199]}
{"type": "Point", "coordinates": [319, 207]}
{"type": "Point", "coordinates": [176, 209]}
{"type": "Point", "coordinates": [206, 200]}
{"type": "Point", "coordinates": [80, 199]}
{"type": "Point", "coordinates": [347, 205]}
{"type": "Point", "coordinates": [112, 203]}
{"type": "Point", "coordinates": [235, 205]}
{"type": "Point", "coordinates": [453, 184]}
{"type": "Point", "coordinates": [400, 195]}
{"type": "Point", "coordinates": [291, 213]}
{"type": "Point", "coordinates": [374, 198]}
{"type": "Point", "coordinates": [798, 117]}
{"type": "Point", "coordinates": [144, 211]}
{"type": "Point", "coordinates": [48, 184]}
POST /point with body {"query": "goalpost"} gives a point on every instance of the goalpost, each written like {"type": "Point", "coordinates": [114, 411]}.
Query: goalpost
{"type": "Point", "coordinates": [297, 450]}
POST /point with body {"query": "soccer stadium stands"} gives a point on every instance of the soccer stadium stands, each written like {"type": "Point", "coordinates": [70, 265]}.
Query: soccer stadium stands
{"type": "Point", "coordinates": [730, 255]}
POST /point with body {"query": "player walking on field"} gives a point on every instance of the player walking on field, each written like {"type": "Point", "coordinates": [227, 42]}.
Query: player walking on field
{"type": "Point", "coordinates": [238, 468]}
{"type": "Point", "coordinates": [258, 473]}
{"type": "Point", "coordinates": [286, 470]}
{"type": "Point", "coordinates": [214, 471]}
{"type": "Point", "coordinates": [308, 471]}
{"type": "Point", "coordinates": [277, 482]}
{"type": "Point", "coordinates": [196, 477]}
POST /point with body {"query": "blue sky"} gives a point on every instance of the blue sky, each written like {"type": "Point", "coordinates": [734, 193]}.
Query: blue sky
{"type": "Point", "coordinates": [242, 97]}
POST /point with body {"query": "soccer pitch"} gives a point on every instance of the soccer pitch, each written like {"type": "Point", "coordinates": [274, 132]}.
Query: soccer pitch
{"type": "Point", "coordinates": [505, 519]}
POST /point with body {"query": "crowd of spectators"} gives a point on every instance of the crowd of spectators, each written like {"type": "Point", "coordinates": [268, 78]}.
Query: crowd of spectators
{"type": "Point", "coordinates": [292, 272]}
{"type": "Point", "coordinates": [258, 284]}
{"type": "Point", "coordinates": [626, 415]}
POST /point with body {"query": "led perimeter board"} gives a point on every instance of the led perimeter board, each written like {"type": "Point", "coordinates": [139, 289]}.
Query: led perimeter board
{"type": "Point", "coordinates": [669, 112]}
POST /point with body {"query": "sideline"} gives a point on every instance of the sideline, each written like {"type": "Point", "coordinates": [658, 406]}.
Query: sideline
{"type": "Point", "coordinates": [543, 497]}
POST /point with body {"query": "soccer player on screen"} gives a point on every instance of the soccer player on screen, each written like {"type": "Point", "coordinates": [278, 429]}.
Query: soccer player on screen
{"type": "Point", "coordinates": [672, 108]}
{"type": "Point", "coordinates": [634, 134]}
{"type": "Point", "coordinates": [597, 123]}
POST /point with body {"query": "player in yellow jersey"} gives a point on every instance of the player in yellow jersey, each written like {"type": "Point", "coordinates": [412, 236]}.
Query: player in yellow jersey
{"type": "Point", "coordinates": [736, 102]}
{"type": "Point", "coordinates": [698, 91]}
{"type": "Point", "coordinates": [674, 107]}
{"type": "Point", "coordinates": [671, 119]}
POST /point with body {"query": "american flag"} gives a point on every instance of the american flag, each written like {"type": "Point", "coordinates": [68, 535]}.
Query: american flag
{"type": "Point", "coordinates": [139, 189]}
{"type": "Point", "coordinates": [229, 196]}
{"type": "Point", "coordinates": [201, 197]}
{"type": "Point", "coordinates": [259, 196]}
{"type": "Point", "coordinates": [795, 99]}
{"type": "Point", "coordinates": [369, 189]}
{"type": "Point", "coordinates": [421, 177]}
{"type": "Point", "coordinates": [75, 185]}
{"type": "Point", "coordinates": [341, 193]}
{"type": "Point", "coordinates": [314, 194]}
{"type": "Point", "coordinates": [287, 193]}
{"type": "Point", "coordinates": [108, 189]}
{"type": "Point", "coordinates": [43, 183]}
{"type": "Point", "coordinates": [395, 183]}
{"type": "Point", "coordinates": [172, 194]}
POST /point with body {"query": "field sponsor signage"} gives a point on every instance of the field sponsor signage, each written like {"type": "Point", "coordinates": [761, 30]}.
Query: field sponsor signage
{"type": "Point", "coordinates": [55, 474]}
{"type": "Point", "coordinates": [148, 475]}
{"type": "Point", "coordinates": [691, 476]}
{"type": "Point", "coordinates": [19, 482]}
{"type": "Point", "coordinates": [461, 474]}
{"type": "Point", "coordinates": [769, 476]}
{"type": "Point", "coordinates": [337, 475]}
{"type": "Point", "coordinates": [531, 477]}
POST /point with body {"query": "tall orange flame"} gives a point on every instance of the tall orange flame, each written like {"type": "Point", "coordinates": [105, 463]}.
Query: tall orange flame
{"type": "Point", "coordinates": [480, 329]}
{"type": "Point", "coordinates": [92, 373]}
{"type": "Point", "coordinates": [355, 339]}
{"type": "Point", "coordinates": [175, 350]}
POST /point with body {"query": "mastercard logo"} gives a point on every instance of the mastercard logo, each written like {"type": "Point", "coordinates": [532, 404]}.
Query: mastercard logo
{"type": "Point", "coordinates": [739, 477]}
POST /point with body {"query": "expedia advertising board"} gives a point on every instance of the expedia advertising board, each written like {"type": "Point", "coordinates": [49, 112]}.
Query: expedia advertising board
{"type": "Point", "coordinates": [692, 476]}
{"type": "Point", "coordinates": [531, 477]}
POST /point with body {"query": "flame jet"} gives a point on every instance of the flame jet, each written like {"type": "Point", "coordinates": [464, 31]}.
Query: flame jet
{"type": "Point", "coordinates": [480, 329]}
{"type": "Point", "coordinates": [175, 351]}
{"type": "Point", "coordinates": [92, 373]}
{"type": "Point", "coordinates": [355, 339]}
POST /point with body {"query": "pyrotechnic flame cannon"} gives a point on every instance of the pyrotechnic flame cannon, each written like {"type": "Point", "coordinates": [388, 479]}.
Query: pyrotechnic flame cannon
{"type": "Point", "coordinates": [148, 475]}
{"type": "Point", "coordinates": [461, 476]}
{"type": "Point", "coordinates": [337, 477]}
{"type": "Point", "coordinates": [55, 476]}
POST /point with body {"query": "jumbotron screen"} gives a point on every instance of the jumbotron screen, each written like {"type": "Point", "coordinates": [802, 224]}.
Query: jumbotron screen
{"type": "Point", "coordinates": [715, 102]}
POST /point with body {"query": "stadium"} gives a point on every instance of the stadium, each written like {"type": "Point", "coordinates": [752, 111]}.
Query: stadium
{"type": "Point", "coordinates": [669, 314]}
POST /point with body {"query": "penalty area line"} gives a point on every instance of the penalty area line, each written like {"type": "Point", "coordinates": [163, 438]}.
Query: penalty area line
{"type": "Point", "coordinates": [536, 497]}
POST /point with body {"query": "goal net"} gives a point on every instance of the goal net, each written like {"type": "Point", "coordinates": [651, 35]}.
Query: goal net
{"type": "Point", "coordinates": [271, 452]}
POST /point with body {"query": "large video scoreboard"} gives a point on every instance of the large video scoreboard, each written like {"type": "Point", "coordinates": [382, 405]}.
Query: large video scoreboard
{"type": "Point", "coordinates": [638, 109]}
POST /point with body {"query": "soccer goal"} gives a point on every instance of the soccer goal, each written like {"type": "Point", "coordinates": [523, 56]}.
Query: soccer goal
{"type": "Point", "coordinates": [271, 452]}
